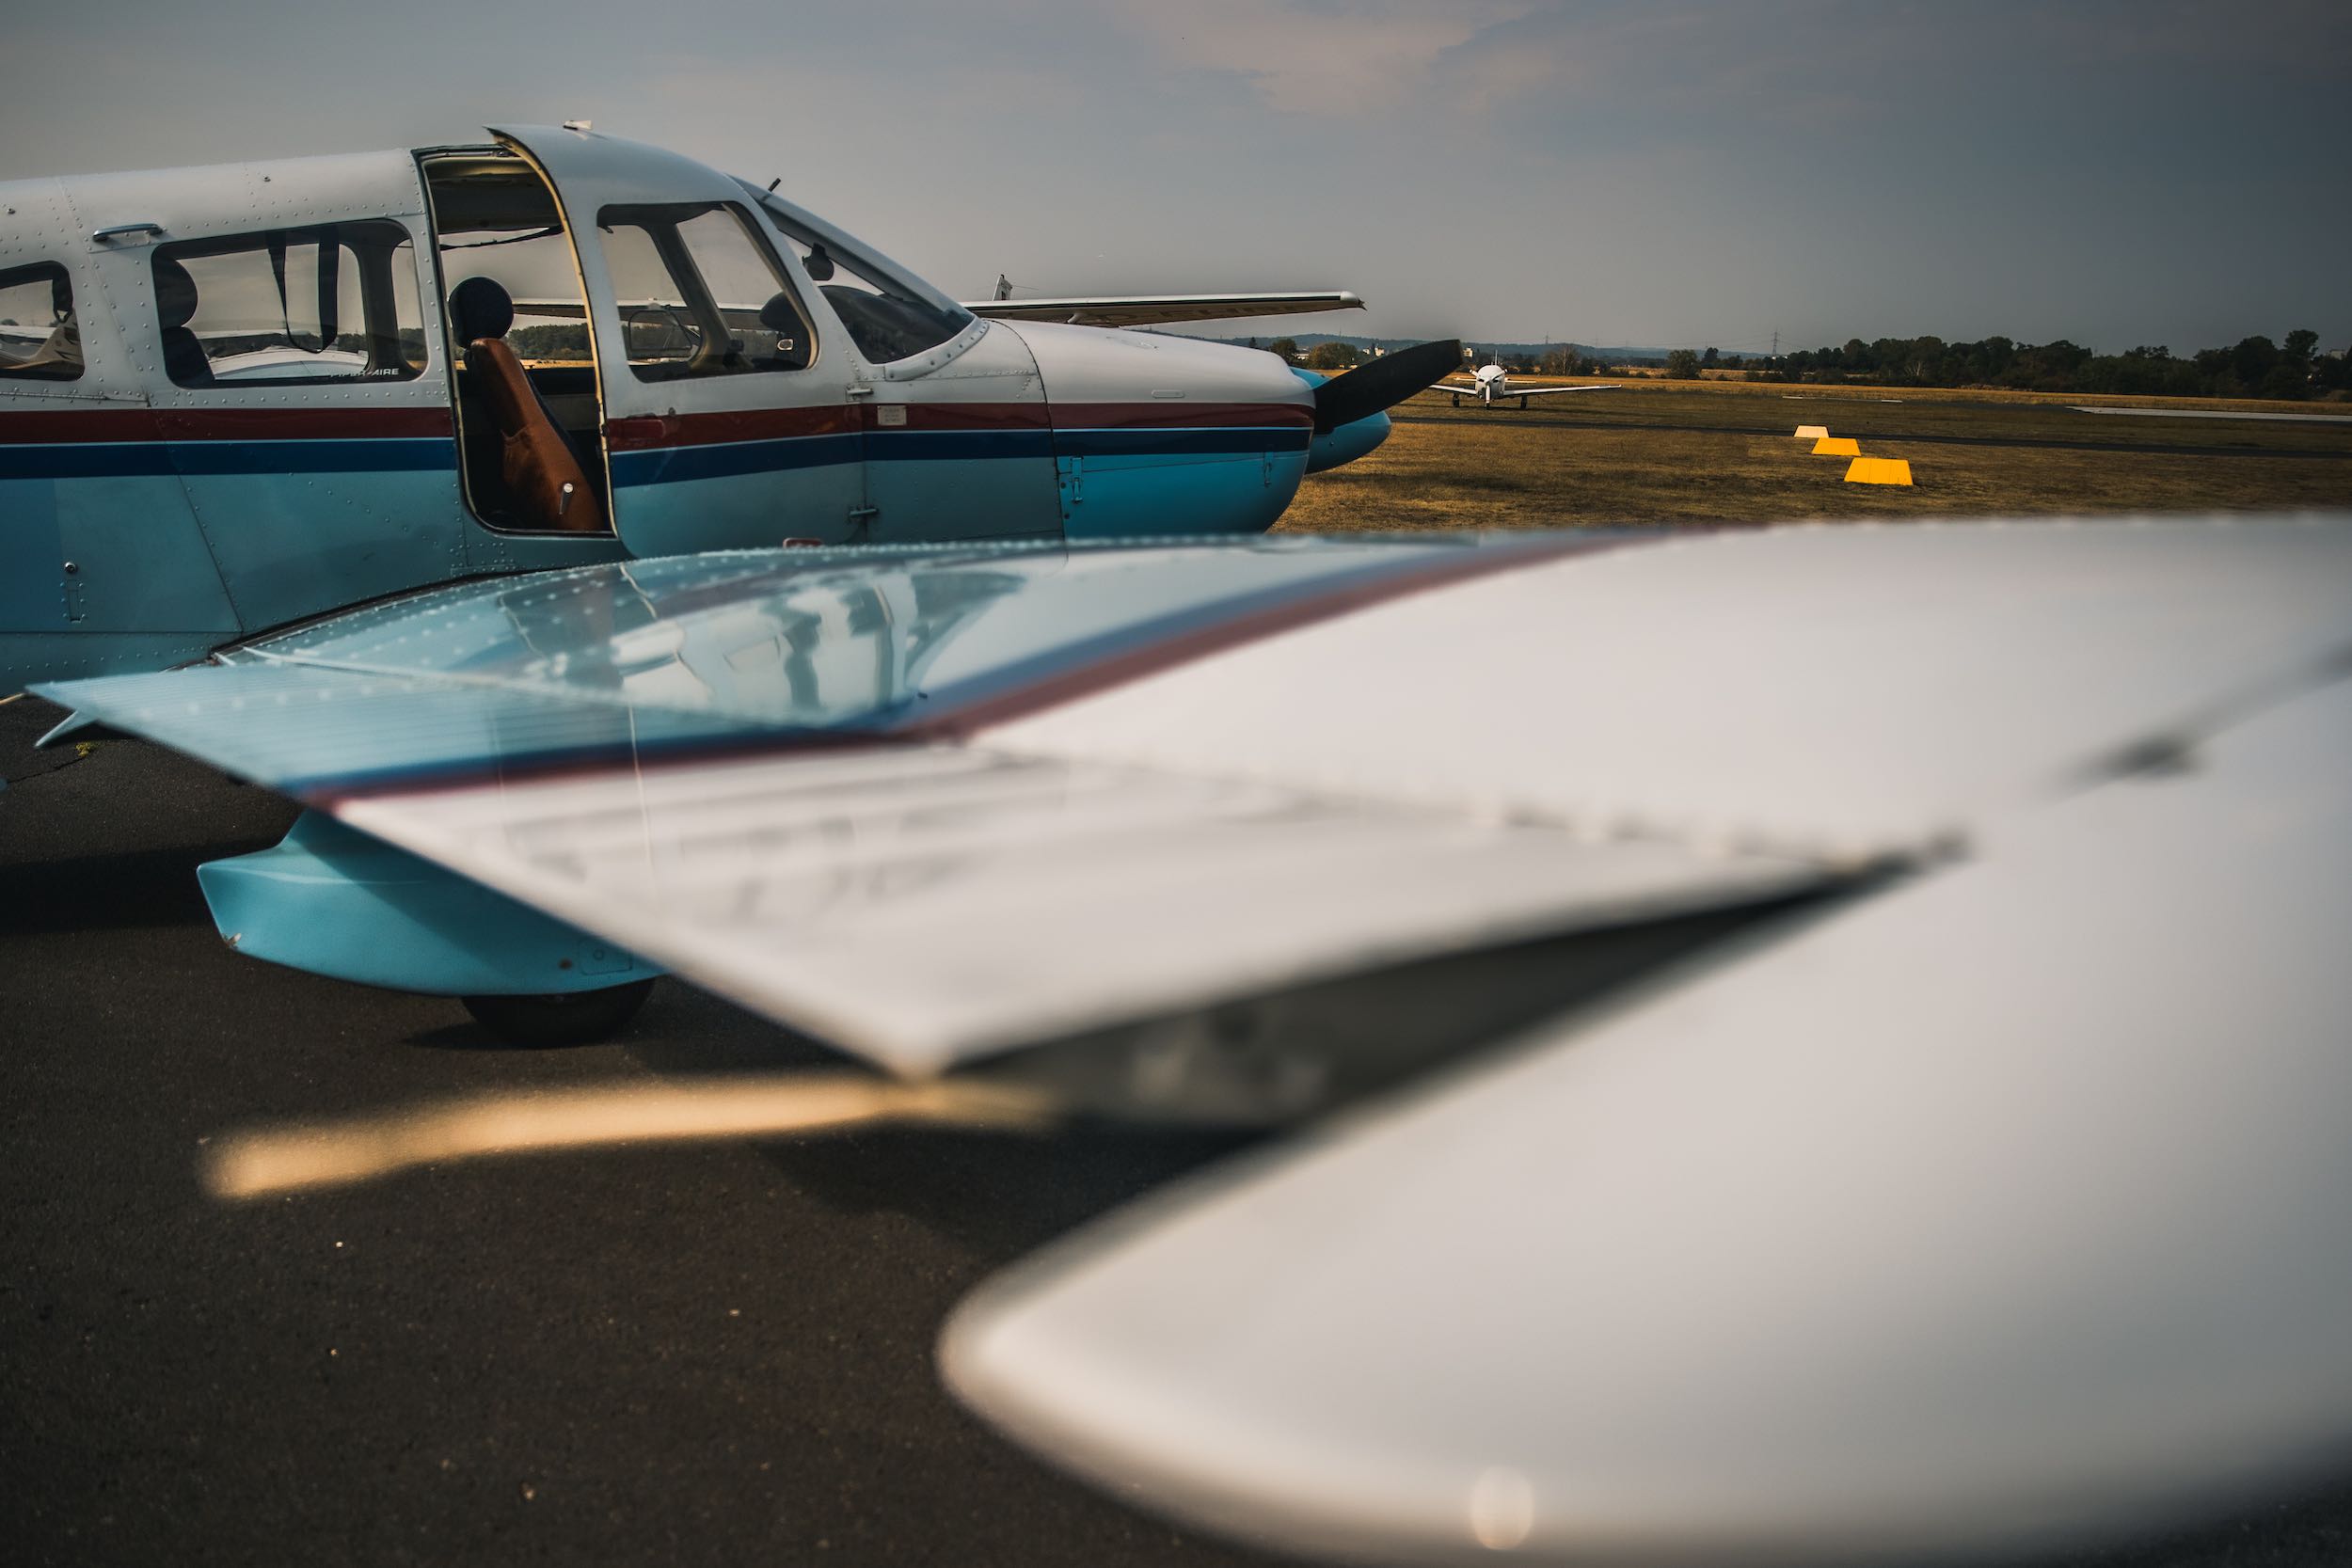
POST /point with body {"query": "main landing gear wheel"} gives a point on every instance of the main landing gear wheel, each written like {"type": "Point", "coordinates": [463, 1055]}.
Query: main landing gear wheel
{"type": "Point", "coordinates": [568, 1018]}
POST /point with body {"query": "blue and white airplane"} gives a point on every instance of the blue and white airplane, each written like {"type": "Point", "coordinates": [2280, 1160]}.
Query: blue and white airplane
{"type": "Point", "coordinates": [237, 397]}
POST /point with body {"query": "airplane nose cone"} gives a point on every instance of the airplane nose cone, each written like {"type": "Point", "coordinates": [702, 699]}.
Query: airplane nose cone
{"type": "Point", "coordinates": [1157, 434]}
{"type": "Point", "coordinates": [1344, 443]}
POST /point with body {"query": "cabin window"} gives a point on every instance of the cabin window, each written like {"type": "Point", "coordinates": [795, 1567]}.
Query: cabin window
{"type": "Point", "coordinates": [336, 302]}
{"type": "Point", "coordinates": [39, 339]}
{"type": "Point", "coordinates": [888, 313]}
{"type": "Point", "coordinates": [699, 293]}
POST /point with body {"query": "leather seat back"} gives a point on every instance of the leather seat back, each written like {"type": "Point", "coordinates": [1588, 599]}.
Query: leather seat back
{"type": "Point", "coordinates": [544, 481]}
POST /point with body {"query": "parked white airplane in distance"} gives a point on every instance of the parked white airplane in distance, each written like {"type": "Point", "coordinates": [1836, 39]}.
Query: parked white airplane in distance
{"type": "Point", "coordinates": [1490, 384]}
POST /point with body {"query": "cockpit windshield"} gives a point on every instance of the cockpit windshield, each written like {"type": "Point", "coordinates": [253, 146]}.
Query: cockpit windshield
{"type": "Point", "coordinates": [890, 313]}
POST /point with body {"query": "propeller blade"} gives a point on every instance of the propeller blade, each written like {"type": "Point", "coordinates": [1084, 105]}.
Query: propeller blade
{"type": "Point", "coordinates": [1390, 379]}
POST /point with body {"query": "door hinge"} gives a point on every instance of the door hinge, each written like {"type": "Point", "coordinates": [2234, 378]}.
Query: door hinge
{"type": "Point", "coordinates": [72, 592]}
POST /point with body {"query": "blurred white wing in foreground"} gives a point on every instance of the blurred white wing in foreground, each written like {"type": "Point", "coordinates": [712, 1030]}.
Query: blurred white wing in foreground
{"type": "Point", "coordinates": [2000, 1210]}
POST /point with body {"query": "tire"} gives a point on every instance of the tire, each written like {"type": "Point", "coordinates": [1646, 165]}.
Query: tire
{"type": "Point", "coordinates": [568, 1017]}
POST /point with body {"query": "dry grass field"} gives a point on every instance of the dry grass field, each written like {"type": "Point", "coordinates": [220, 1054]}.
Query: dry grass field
{"type": "Point", "coordinates": [1722, 452]}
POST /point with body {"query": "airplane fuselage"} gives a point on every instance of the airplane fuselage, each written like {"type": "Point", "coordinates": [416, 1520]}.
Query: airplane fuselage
{"type": "Point", "coordinates": [236, 397]}
{"type": "Point", "coordinates": [1487, 382]}
{"type": "Point", "coordinates": [1490, 384]}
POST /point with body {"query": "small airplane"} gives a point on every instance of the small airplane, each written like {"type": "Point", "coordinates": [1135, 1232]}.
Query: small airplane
{"type": "Point", "coordinates": [237, 397]}
{"type": "Point", "coordinates": [1491, 383]}
{"type": "Point", "coordinates": [1799, 1045]}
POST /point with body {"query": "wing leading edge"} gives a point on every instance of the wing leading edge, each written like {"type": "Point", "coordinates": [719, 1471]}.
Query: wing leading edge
{"type": "Point", "coordinates": [1163, 310]}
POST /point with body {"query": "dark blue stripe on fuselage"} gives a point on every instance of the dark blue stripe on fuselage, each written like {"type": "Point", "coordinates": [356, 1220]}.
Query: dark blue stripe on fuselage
{"type": "Point", "coordinates": [666, 464]}
{"type": "Point", "coordinates": [132, 459]}
{"type": "Point", "coordinates": [122, 459]}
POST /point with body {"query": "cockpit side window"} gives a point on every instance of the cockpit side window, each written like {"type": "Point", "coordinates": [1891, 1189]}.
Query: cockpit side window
{"type": "Point", "coordinates": [334, 302]}
{"type": "Point", "coordinates": [39, 336]}
{"type": "Point", "coordinates": [700, 293]}
{"type": "Point", "coordinates": [889, 314]}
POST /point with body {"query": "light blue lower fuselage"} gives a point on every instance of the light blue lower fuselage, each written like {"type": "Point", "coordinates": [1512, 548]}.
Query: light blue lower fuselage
{"type": "Point", "coordinates": [118, 556]}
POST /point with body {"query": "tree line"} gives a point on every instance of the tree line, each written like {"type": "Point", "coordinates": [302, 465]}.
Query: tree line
{"type": "Point", "coordinates": [2254, 368]}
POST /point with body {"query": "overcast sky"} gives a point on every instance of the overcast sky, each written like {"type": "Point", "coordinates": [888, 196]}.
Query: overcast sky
{"type": "Point", "coordinates": [1655, 172]}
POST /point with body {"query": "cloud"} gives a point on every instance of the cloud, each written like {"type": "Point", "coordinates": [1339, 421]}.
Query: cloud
{"type": "Point", "coordinates": [1317, 58]}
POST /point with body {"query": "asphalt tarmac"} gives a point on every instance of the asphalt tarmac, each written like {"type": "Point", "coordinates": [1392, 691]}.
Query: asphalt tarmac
{"type": "Point", "coordinates": [714, 1354]}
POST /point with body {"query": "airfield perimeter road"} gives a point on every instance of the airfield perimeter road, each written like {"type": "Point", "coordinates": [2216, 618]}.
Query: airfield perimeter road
{"type": "Point", "coordinates": [717, 1355]}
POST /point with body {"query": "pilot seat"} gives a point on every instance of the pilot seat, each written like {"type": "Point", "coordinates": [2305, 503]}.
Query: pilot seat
{"type": "Point", "coordinates": [545, 485]}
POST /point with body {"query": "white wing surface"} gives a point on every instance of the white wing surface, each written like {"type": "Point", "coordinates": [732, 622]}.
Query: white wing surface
{"type": "Point", "coordinates": [1550, 391]}
{"type": "Point", "coordinates": [922, 906]}
{"type": "Point", "coordinates": [1843, 692]}
{"type": "Point", "coordinates": [2002, 1210]}
{"type": "Point", "coordinates": [1163, 310]}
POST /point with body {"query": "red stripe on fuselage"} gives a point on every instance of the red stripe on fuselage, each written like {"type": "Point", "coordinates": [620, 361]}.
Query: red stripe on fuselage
{"type": "Point", "coordinates": [72, 427]}
{"type": "Point", "coordinates": [653, 432]}
{"type": "Point", "coordinates": [1180, 414]}
{"type": "Point", "coordinates": [961, 415]}
{"type": "Point", "coordinates": [634, 432]}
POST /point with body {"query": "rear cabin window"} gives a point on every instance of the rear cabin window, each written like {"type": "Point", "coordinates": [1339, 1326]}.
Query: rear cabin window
{"type": "Point", "coordinates": [700, 293]}
{"type": "Point", "coordinates": [39, 339]}
{"type": "Point", "coordinates": [337, 302]}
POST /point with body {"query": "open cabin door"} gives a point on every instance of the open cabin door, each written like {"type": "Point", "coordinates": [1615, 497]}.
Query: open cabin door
{"type": "Point", "coordinates": [727, 422]}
